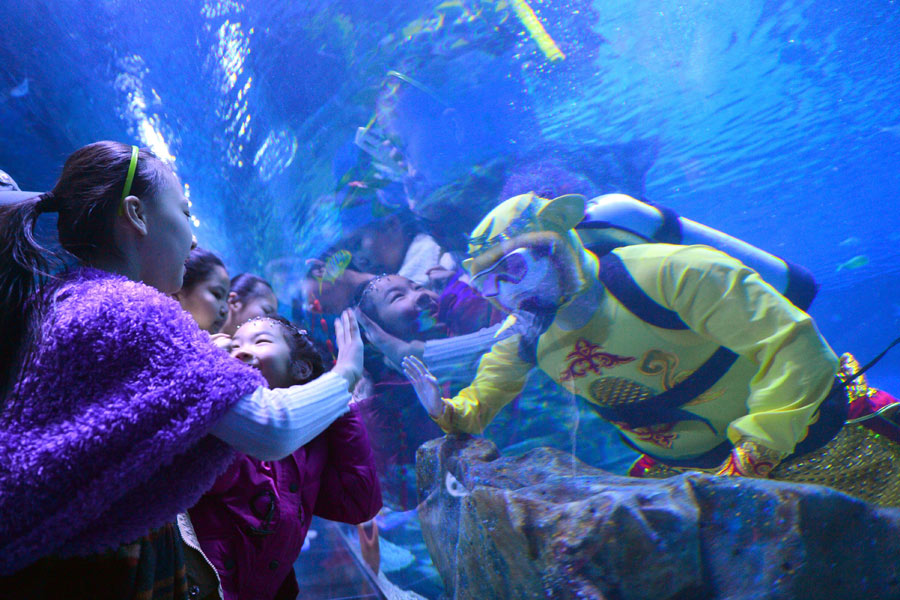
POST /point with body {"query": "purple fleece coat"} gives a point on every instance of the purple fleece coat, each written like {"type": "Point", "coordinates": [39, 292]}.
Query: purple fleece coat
{"type": "Point", "coordinates": [104, 435]}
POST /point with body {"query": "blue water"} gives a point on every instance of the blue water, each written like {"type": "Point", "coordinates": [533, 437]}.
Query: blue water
{"type": "Point", "coordinates": [777, 122]}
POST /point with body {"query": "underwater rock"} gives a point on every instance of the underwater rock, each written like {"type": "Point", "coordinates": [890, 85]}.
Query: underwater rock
{"type": "Point", "coordinates": [545, 525]}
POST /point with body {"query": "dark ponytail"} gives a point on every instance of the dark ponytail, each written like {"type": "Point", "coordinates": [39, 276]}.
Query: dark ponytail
{"type": "Point", "coordinates": [24, 264]}
{"type": "Point", "coordinates": [87, 197]}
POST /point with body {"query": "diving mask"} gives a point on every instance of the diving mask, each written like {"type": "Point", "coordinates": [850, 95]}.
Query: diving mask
{"type": "Point", "coordinates": [512, 269]}
{"type": "Point", "coordinates": [527, 277]}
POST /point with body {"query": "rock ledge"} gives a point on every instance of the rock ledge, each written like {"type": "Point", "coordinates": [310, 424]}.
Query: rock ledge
{"type": "Point", "coordinates": [545, 525]}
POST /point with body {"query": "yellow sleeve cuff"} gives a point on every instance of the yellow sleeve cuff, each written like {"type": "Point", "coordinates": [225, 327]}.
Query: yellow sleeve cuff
{"type": "Point", "coordinates": [445, 419]}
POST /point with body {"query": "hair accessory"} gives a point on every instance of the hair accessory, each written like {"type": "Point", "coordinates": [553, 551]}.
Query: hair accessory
{"type": "Point", "coordinates": [369, 287]}
{"type": "Point", "coordinates": [278, 319]}
{"type": "Point", "coordinates": [132, 167]}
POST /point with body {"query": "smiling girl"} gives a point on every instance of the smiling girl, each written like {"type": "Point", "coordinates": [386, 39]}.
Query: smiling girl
{"type": "Point", "coordinates": [252, 523]}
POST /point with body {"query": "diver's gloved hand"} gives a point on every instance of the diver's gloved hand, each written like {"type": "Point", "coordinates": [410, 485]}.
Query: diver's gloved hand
{"type": "Point", "coordinates": [425, 384]}
{"type": "Point", "coordinates": [349, 363]}
{"type": "Point", "coordinates": [750, 459]}
{"type": "Point", "coordinates": [393, 348]}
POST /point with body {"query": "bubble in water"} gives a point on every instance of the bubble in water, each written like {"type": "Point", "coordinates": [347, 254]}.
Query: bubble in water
{"type": "Point", "coordinates": [275, 154]}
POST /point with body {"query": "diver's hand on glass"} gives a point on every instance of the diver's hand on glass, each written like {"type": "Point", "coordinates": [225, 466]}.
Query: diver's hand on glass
{"type": "Point", "coordinates": [349, 363]}
{"type": "Point", "coordinates": [393, 348]}
{"type": "Point", "coordinates": [222, 340]}
{"type": "Point", "coordinates": [425, 384]}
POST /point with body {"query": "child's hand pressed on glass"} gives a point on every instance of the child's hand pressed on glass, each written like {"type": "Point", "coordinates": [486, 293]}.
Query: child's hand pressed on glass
{"type": "Point", "coordinates": [349, 363]}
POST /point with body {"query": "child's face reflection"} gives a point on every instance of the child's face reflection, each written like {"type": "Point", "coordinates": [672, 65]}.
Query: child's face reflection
{"type": "Point", "coordinates": [404, 308]}
{"type": "Point", "coordinates": [378, 248]}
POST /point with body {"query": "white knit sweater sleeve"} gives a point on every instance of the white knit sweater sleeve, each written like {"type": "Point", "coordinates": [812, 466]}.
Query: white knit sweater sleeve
{"type": "Point", "coordinates": [455, 359]}
{"type": "Point", "coordinates": [271, 424]}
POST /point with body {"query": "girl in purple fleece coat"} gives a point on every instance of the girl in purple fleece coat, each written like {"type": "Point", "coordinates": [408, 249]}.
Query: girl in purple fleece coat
{"type": "Point", "coordinates": [252, 523]}
{"type": "Point", "coordinates": [116, 411]}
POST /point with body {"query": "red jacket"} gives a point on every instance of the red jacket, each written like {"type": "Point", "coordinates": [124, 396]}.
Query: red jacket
{"type": "Point", "coordinates": [252, 523]}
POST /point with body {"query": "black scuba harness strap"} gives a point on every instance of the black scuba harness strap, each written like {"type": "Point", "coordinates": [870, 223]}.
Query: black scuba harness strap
{"type": "Point", "coordinates": [665, 407]}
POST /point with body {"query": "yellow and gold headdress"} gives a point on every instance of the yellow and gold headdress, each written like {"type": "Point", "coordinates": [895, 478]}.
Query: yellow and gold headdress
{"type": "Point", "coordinates": [521, 221]}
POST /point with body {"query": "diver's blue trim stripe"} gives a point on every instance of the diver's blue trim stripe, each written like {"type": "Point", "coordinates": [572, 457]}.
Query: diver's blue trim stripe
{"type": "Point", "coordinates": [670, 231]}
{"type": "Point", "coordinates": [616, 278]}
{"type": "Point", "coordinates": [666, 406]}
{"type": "Point", "coordinates": [801, 286]}
{"type": "Point", "coordinates": [832, 414]}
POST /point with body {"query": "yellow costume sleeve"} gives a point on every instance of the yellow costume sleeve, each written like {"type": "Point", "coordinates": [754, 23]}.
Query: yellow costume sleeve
{"type": "Point", "coordinates": [723, 300]}
{"type": "Point", "coordinates": [501, 376]}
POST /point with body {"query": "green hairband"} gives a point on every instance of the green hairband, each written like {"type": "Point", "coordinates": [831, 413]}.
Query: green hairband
{"type": "Point", "coordinates": [132, 167]}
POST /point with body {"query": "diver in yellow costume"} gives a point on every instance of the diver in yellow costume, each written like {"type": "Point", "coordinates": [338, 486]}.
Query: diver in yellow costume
{"type": "Point", "coordinates": [697, 360]}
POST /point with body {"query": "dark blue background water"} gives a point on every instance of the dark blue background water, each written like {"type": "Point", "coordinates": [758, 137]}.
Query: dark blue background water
{"type": "Point", "coordinates": [777, 122]}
